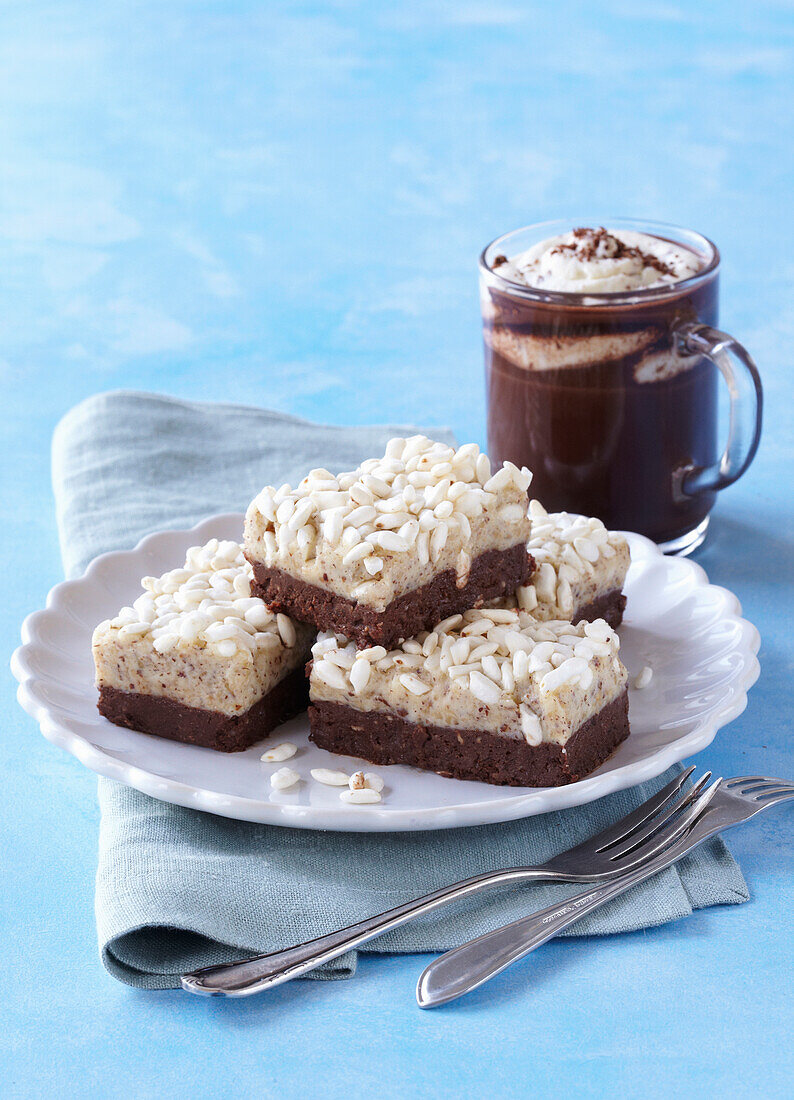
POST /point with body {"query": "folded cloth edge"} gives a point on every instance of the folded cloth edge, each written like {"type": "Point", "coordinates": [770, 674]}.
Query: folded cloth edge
{"type": "Point", "coordinates": [102, 404]}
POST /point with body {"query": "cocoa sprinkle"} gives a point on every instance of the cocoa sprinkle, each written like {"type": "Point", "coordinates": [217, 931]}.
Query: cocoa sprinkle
{"type": "Point", "coordinates": [593, 244]}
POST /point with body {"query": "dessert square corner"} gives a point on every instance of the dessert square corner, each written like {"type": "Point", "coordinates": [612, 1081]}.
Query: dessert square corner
{"type": "Point", "coordinates": [579, 569]}
{"type": "Point", "coordinates": [198, 659]}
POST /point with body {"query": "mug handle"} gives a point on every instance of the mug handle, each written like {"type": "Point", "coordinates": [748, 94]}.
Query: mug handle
{"type": "Point", "coordinates": [746, 406]}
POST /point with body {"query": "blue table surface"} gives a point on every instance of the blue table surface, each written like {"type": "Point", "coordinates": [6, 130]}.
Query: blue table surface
{"type": "Point", "coordinates": [282, 204]}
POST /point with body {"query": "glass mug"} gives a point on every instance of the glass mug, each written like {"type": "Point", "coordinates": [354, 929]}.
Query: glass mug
{"type": "Point", "coordinates": [612, 399]}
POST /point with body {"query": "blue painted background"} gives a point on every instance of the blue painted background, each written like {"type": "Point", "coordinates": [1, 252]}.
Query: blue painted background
{"type": "Point", "coordinates": [282, 204]}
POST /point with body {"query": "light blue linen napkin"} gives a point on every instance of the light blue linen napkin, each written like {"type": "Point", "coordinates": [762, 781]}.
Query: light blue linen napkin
{"type": "Point", "coordinates": [177, 888]}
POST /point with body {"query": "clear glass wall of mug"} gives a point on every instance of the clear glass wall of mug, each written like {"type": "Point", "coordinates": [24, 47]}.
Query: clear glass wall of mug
{"type": "Point", "coordinates": [611, 399]}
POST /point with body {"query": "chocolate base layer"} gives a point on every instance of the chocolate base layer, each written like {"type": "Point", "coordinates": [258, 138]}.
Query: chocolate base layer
{"type": "Point", "coordinates": [610, 606]}
{"type": "Point", "coordinates": [384, 738]}
{"type": "Point", "coordinates": [493, 573]}
{"type": "Point", "coordinates": [164, 717]}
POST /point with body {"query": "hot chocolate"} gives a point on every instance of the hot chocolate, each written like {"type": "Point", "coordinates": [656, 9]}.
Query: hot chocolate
{"type": "Point", "coordinates": [589, 382]}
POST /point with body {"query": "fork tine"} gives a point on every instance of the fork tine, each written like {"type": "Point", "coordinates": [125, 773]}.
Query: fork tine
{"type": "Point", "coordinates": [775, 799]}
{"type": "Point", "coordinates": [696, 809]}
{"type": "Point", "coordinates": [752, 780]}
{"type": "Point", "coordinates": [628, 825]}
{"type": "Point", "coordinates": [757, 786]}
{"type": "Point", "coordinates": [784, 791]}
{"type": "Point", "coordinates": [676, 829]}
{"type": "Point", "coordinates": [660, 825]}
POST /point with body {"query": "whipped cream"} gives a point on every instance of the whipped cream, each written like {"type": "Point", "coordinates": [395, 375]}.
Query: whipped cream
{"type": "Point", "coordinates": [600, 261]}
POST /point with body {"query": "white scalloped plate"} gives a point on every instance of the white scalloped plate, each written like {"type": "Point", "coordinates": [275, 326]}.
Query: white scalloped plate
{"type": "Point", "coordinates": [691, 633]}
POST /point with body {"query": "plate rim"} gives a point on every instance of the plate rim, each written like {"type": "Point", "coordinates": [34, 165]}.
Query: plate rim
{"type": "Point", "coordinates": [350, 819]}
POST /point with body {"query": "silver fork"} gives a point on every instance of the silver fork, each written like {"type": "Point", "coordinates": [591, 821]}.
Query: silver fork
{"type": "Point", "coordinates": [634, 839]}
{"type": "Point", "coordinates": [464, 968]}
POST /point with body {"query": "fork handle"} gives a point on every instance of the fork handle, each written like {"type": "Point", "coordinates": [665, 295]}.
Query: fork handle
{"type": "Point", "coordinates": [240, 979]}
{"type": "Point", "coordinates": [464, 968]}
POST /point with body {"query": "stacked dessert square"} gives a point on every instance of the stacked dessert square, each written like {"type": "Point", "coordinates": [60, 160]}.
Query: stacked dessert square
{"type": "Point", "coordinates": [396, 545]}
{"type": "Point", "coordinates": [461, 628]}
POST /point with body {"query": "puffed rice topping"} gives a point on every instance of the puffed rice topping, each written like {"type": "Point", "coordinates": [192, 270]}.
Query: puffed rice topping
{"type": "Point", "coordinates": [486, 650]}
{"type": "Point", "coordinates": [409, 501]}
{"type": "Point", "coordinates": [567, 549]}
{"type": "Point", "coordinates": [207, 603]}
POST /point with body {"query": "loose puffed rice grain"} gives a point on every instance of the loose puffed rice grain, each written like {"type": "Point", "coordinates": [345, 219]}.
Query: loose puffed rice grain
{"type": "Point", "coordinates": [283, 779]}
{"type": "Point", "coordinates": [285, 751]}
{"type": "Point", "coordinates": [643, 678]}
{"type": "Point", "coordinates": [364, 796]}
{"type": "Point", "coordinates": [330, 778]}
